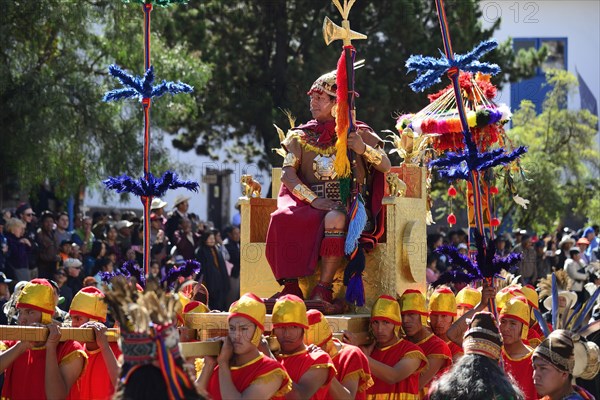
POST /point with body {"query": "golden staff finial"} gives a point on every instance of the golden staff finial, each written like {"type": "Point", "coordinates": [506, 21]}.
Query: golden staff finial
{"type": "Point", "coordinates": [332, 32]}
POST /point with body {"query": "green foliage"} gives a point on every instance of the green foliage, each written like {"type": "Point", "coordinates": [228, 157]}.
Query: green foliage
{"type": "Point", "coordinates": [53, 68]}
{"type": "Point", "coordinates": [267, 53]}
{"type": "Point", "coordinates": [563, 161]}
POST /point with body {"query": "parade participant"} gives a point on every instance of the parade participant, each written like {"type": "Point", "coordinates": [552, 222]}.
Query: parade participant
{"type": "Point", "coordinates": [442, 311]}
{"type": "Point", "coordinates": [353, 376]}
{"type": "Point", "coordinates": [152, 364]}
{"type": "Point", "coordinates": [310, 219]}
{"type": "Point", "coordinates": [99, 378]}
{"type": "Point", "coordinates": [241, 371]}
{"type": "Point", "coordinates": [38, 370]}
{"type": "Point", "coordinates": [311, 372]}
{"type": "Point", "coordinates": [553, 362]}
{"type": "Point", "coordinates": [395, 363]}
{"type": "Point", "coordinates": [514, 324]}
{"type": "Point", "coordinates": [477, 375]}
{"type": "Point", "coordinates": [466, 299]}
{"type": "Point", "coordinates": [190, 307]}
{"type": "Point", "coordinates": [439, 356]}
{"type": "Point", "coordinates": [534, 303]}
{"type": "Point", "coordinates": [503, 296]}
{"type": "Point", "coordinates": [459, 327]}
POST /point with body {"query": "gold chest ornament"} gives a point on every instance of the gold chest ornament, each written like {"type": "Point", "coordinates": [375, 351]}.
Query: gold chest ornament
{"type": "Point", "coordinates": [323, 167]}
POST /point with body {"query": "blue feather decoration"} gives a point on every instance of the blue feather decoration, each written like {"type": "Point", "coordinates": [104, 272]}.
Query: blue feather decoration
{"type": "Point", "coordinates": [430, 70]}
{"type": "Point", "coordinates": [141, 88]}
{"type": "Point", "coordinates": [151, 187]}
{"type": "Point", "coordinates": [355, 291]}
{"type": "Point", "coordinates": [356, 226]}
{"type": "Point", "coordinates": [554, 302]}
{"type": "Point", "coordinates": [129, 269]}
{"type": "Point", "coordinates": [190, 268]}
{"type": "Point", "coordinates": [541, 321]}
{"type": "Point", "coordinates": [588, 306]}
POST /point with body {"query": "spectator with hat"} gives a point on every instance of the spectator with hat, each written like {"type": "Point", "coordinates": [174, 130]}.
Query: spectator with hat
{"type": "Point", "coordinates": [181, 206]}
{"type": "Point", "coordinates": [123, 228]}
{"type": "Point", "coordinates": [158, 208]}
{"type": "Point", "coordinates": [527, 265]}
{"type": "Point", "coordinates": [40, 370]}
{"type": "Point", "coordinates": [590, 234]}
{"type": "Point", "coordinates": [582, 243]}
{"type": "Point", "coordinates": [477, 374]}
{"type": "Point", "coordinates": [553, 362]}
{"type": "Point", "coordinates": [99, 378]}
{"type": "Point", "coordinates": [74, 278]}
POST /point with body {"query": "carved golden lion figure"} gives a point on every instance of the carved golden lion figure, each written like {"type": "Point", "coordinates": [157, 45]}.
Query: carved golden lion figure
{"type": "Point", "coordinates": [396, 186]}
{"type": "Point", "coordinates": [250, 187]}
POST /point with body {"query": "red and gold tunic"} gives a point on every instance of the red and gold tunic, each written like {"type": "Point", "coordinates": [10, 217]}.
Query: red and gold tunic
{"type": "Point", "coordinates": [455, 349]}
{"type": "Point", "coordinates": [95, 383]}
{"type": "Point", "coordinates": [350, 362]}
{"type": "Point", "coordinates": [299, 363]}
{"type": "Point", "coordinates": [260, 370]}
{"type": "Point", "coordinates": [434, 347]}
{"type": "Point", "coordinates": [407, 389]}
{"type": "Point", "coordinates": [521, 372]}
{"type": "Point", "coordinates": [24, 378]}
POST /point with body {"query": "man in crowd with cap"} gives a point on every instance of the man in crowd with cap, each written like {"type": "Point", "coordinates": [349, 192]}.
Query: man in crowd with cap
{"type": "Point", "coordinates": [442, 311]}
{"type": "Point", "coordinates": [40, 370]}
{"type": "Point", "coordinates": [590, 234]}
{"type": "Point", "coordinates": [395, 363]}
{"type": "Point", "coordinates": [528, 263]}
{"type": "Point", "coordinates": [414, 317]}
{"type": "Point", "coordinates": [514, 326]}
{"type": "Point", "coordinates": [311, 372]}
{"type": "Point", "coordinates": [99, 378]}
{"type": "Point", "coordinates": [477, 375]}
{"type": "Point", "coordinates": [310, 220]}
{"type": "Point", "coordinates": [353, 376]}
{"type": "Point", "coordinates": [180, 212]}
{"type": "Point", "coordinates": [553, 362]}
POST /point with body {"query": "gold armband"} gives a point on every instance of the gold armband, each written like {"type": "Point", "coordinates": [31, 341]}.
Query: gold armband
{"type": "Point", "coordinates": [302, 192]}
{"type": "Point", "coordinates": [372, 155]}
{"type": "Point", "coordinates": [291, 160]}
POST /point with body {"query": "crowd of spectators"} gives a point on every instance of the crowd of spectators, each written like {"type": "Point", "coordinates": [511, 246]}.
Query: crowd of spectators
{"type": "Point", "coordinates": [44, 246]}
{"type": "Point", "coordinates": [577, 252]}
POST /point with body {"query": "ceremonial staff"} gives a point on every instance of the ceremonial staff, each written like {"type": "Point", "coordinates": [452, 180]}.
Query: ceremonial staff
{"type": "Point", "coordinates": [345, 162]}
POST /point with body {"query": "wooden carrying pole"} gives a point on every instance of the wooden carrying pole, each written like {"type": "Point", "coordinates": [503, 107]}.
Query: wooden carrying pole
{"type": "Point", "coordinates": [40, 334]}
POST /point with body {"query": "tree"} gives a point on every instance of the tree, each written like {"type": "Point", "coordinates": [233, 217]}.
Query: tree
{"type": "Point", "coordinates": [53, 73]}
{"type": "Point", "coordinates": [267, 53]}
{"type": "Point", "coordinates": [563, 161]}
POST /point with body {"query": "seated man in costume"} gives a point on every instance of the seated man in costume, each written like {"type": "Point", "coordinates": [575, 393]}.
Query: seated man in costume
{"type": "Point", "coordinates": [311, 372]}
{"type": "Point", "coordinates": [241, 371]}
{"type": "Point", "coordinates": [395, 363]}
{"type": "Point", "coordinates": [514, 324]}
{"type": "Point", "coordinates": [353, 376]}
{"type": "Point", "coordinates": [99, 379]}
{"type": "Point", "coordinates": [553, 362]}
{"type": "Point", "coordinates": [40, 370]}
{"type": "Point", "coordinates": [439, 356]}
{"type": "Point", "coordinates": [477, 374]}
{"type": "Point", "coordinates": [442, 311]}
{"type": "Point", "coordinates": [310, 220]}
